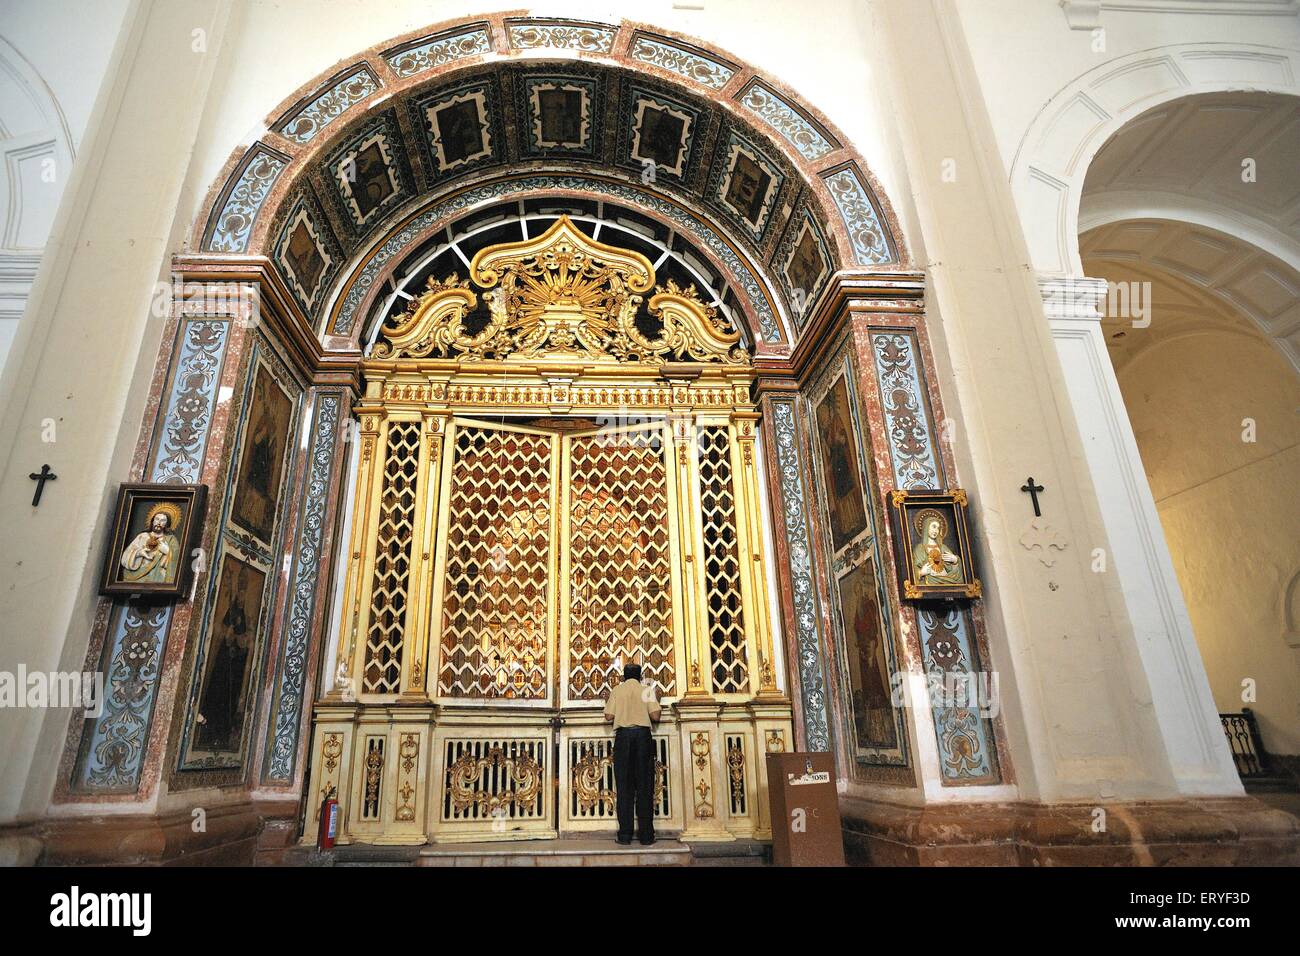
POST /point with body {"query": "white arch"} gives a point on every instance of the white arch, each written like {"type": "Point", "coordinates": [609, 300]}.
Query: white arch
{"type": "Point", "coordinates": [1052, 160]}
{"type": "Point", "coordinates": [34, 134]}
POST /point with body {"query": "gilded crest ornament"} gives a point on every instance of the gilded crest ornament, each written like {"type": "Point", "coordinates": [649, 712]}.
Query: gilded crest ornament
{"type": "Point", "coordinates": [561, 295]}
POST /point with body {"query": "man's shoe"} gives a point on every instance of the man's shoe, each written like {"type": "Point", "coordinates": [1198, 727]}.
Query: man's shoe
{"type": "Point", "coordinates": [648, 842]}
{"type": "Point", "coordinates": [623, 841]}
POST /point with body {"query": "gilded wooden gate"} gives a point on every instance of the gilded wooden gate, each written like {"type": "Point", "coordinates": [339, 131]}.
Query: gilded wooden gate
{"type": "Point", "coordinates": [551, 483]}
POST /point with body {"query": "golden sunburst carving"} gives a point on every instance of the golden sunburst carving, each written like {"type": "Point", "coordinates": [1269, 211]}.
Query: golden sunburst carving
{"type": "Point", "coordinates": [563, 295]}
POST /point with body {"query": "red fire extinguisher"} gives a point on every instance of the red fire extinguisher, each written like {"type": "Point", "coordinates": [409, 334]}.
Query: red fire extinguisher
{"type": "Point", "coordinates": [329, 820]}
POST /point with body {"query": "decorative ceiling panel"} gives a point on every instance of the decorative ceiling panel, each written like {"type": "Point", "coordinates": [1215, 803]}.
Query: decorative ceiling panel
{"type": "Point", "coordinates": [744, 171]}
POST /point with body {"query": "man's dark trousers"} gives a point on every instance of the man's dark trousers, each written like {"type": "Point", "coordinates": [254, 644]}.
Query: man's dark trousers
{"type": "Point", "coordinates": [634, 776]}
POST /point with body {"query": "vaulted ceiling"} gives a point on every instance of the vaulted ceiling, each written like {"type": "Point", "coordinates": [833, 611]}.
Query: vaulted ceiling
{"type": "Point", "coordinates": [408, 140]}
{"type": "Point", "coordinates": [1233, 157]}
{"type": "Point", "coordinates": [1200, 197]}
{"type": "Point", "coordinates": [1200, 281]}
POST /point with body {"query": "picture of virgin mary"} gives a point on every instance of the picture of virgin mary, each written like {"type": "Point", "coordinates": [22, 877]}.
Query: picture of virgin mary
{"type": "Point", "coordinates": [933, 561]}
{"type": "Point", "coordinates": [154, 555]}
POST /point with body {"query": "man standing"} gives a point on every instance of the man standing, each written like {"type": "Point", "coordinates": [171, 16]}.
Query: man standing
{"type": "Point", "coordinates": [633, 708]}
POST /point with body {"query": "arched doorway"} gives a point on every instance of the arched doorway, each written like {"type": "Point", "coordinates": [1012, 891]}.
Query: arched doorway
{"type": "Point", "coordinates": [403, 166]}
{"type": "Point", "coordinates": [1187, 213]}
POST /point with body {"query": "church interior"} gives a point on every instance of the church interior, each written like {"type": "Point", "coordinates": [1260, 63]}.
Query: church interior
{"type": "Point", "coordinates": [909, 387]}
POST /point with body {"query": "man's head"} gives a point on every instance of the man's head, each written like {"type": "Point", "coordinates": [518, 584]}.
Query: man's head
{"type": "Point", "coordinates": [631, 672]}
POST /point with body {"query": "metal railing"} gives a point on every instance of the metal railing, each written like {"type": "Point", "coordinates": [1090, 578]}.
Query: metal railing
{"type": "Point", "coordinates": [1248, 751]}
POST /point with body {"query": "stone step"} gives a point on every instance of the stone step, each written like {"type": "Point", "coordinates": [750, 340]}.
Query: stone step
{"type": "Point", "coordinates": [565, 851]}
{"type": "Point", "coordinates": [568, 851]}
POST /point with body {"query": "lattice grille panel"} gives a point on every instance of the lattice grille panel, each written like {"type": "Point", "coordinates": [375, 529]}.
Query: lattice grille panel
{"type": "Point", "coordinates": [736, 775]}
{"type": "Point", "coordinates": [494, 632]}
{"type": "Point", "coordinates": [383, 670]}
{"type": "Point", "coordinates": [592, 794]}
{"type": "Point", "coordinates": [620, 577]}
{"type": "Point", "coordinates": [496, 779]}
{"type": "Point", "coordinates": [721, 563]}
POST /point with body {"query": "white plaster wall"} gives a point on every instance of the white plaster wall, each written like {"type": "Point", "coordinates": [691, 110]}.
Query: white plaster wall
{"type": "Point", "coordinates": [1025, 51]}
{"type": "Point", "coordinates": [69, 43]}
{"type": "Point", "coordinates": [53, 56]}
{"type": "Point", "coordinates": [1228, 508]}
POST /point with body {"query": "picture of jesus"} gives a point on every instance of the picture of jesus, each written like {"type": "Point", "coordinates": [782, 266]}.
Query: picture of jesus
{"type": "Point", "coordinates": [933, 562]}
{"type": "Point", "coordinates": [154, 555]}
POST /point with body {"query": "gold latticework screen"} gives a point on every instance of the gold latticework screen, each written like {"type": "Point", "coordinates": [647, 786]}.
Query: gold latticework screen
{"type": "Point", "coordinates": [495, 607]}
{"type": "Point", "coordinates": [620, 606]}
{"type": "Point", "coordinates": [571, 487]}
{"type": "Point", "coordinates": [721, 564]}
{"type": "Point", "coordinates": [389, 589]}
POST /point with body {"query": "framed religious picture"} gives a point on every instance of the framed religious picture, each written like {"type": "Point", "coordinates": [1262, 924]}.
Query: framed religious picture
{"type": "Point", "coordinates": [229, 659]}
{"type": "Point", "coordinates": [933, 549]}
{"type": "Point", "coordinates": [838, 441]}
{"type": "Point", "coordinates": [155, 531]}
{"type": "Point", "coordinates": [867, 661]}
{"type": "Point", "coordinates": [262, 457]}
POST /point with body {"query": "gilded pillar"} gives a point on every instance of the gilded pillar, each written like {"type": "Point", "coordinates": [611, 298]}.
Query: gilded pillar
{"type": "Point", "coordinates": [348, 665]}
{"type": "Point", "coordinates": [753, 577]}
{"type": "Point", "coordinates": [694, 627]}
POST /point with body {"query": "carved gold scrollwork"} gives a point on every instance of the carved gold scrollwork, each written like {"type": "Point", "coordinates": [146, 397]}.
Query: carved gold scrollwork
{"type": "Point", "coordinates": [331, 750]}
{"type": "Point", "coordinates": [406, 812]}
{"type": "Point", "coordinates": [736, 768]}
{"type": "Point", "coordinates": [691, 329]}
{"type": "Point", "coordinates": [700, 749]}
{"type": "Point", "coordinates": [374, 774]}
{"type": "Point", "coordinates": [566, 295]}
{"type": "Point", "coordinates": [521, 770]}
{"type": "Point", "coordinates": [588, 782]}
{"type": "Point", "coordinates": [408, 751]}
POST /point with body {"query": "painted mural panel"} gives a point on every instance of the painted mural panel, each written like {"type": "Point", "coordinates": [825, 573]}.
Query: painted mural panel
{"type": "Point", "coordinates": [866, 659]}
{"type": "Point", "coordinates": [261, 463]}
{"type": "Point", "coordinates": [224, 687]}
{"type": "Point", "coordinates": [865, 654]}
{"type": "Point", "coordinates": [839, 447]}
{"type": "Point", "coordinates": [241, 593]}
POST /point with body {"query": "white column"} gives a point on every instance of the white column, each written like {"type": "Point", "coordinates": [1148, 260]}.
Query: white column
{"type": "Point", "coordinates": [1180, 693]}
{"type": "Point", "coordinates": [84, 357]}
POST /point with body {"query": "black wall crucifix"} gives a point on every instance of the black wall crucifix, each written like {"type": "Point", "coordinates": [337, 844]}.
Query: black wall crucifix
{"type": "Point", "coordinates": [41, 478]}
{"type": "Point", "coordinates": [1033, 490]}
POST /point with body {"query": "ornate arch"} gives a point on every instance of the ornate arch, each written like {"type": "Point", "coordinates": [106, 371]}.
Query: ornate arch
{"type": "Point", "coordinates": [774, 192]}
{"type": "Point", "coordinates": [1052, 160]}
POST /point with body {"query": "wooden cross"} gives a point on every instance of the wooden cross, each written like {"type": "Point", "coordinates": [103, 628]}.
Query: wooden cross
{"type": "Point", "coordinates": [1033, 490]}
